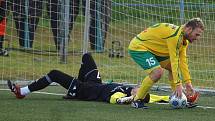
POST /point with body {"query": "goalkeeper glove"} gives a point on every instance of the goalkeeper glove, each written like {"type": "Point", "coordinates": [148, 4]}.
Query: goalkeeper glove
{"type": "Point", "coordinates": [124, 100]}
{"type": "Point", "coordinates": [193, 98]}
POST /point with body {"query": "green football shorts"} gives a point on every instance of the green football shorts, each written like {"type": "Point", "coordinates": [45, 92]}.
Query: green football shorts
{"type": "Point", "coordinates": [146, 59]}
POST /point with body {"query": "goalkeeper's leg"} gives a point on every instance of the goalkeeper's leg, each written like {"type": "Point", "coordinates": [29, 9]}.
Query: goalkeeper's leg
{"type": "Point", "coordinates": [53, 76]}
{"type": "Point", "coordinates": [89, 70]}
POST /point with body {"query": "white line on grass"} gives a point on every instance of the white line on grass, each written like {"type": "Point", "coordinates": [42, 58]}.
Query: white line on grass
{"type": "Point", "coordinates": [4, 89]}
{"type": "Point", "coordinates": [205, 107]}
{"type": "Point", "coordinates": [48, 93]}
{"type": "Point", "coordinates": [199, 106]}
{"type": "Point", "coordinates": [37, 92]}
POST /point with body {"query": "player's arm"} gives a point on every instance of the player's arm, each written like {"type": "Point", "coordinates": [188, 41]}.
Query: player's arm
{"type": "Point", "coordinates": [192, 95]}
{"type": "Point", "coordinates": [184, 65]}
{"type": "Point", "coordinates": [173, 44]}
{"type": "Point", "coordinates": [173, 47]}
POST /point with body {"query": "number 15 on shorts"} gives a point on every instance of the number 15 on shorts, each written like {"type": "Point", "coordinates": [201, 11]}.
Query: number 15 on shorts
{"type": "Point", "coordinates": [151, 61]}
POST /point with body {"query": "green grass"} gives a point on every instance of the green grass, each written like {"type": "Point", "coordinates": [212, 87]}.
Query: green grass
{"type": "Point", "coordinates": [40, 107]}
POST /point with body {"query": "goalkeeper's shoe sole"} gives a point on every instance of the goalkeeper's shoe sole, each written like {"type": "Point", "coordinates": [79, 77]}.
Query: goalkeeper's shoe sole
{"type": "Point", "coordinates": [139, 104]}
{"type": "Point", "coordinates": [15, 89]}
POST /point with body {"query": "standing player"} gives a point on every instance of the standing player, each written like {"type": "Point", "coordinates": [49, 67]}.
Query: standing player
{"type": "Point", "coordinates": [98, 15]}
{"type": "Point", "coordinates": [26, 22]}
{"type": "Point", "coordinates": [164, 45]}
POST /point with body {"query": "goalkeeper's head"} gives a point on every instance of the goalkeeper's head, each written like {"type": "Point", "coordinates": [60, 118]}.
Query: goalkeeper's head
{"type": "Point", "coordinates": [193, 29]}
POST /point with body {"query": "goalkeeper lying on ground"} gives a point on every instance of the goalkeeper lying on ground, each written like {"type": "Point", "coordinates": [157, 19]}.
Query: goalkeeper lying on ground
{"type": "Point", "coordinates": [88, 86]}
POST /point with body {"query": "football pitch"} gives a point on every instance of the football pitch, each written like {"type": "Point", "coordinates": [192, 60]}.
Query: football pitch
{"type": "Point", "coordinates": [47, 107]}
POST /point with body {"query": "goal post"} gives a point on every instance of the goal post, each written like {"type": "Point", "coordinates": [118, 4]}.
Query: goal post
{"type": "Point", "coordinates": [64, 29]}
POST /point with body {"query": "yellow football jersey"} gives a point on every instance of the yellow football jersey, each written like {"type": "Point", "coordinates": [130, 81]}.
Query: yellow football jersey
{"type": "Point", "coordinates": [164, 39]}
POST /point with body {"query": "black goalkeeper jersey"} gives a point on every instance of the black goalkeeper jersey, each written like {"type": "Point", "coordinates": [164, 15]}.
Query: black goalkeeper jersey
{"type": "Point", "coordinates": [100, 92]}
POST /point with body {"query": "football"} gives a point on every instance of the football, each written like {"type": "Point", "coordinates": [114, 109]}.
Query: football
{"type": "Point", "coordinates": [177, 103]}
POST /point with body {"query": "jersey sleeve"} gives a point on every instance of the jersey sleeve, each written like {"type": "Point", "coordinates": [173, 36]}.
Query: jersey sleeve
{"type": "Point", "coordinates": [184, 65]}
{"type": "Point", "coordinates": [173, 44]}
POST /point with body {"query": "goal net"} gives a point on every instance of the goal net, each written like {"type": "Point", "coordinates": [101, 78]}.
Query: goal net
{"type": "Point", "coordinates": [42, 35]}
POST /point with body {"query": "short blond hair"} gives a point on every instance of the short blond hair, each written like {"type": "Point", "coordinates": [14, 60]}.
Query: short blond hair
{"type": "Point", "coordinates": [195, 23]}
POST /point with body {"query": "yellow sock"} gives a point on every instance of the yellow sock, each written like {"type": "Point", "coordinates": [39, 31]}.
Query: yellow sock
{"type": "Point", "coordinates": [147, 83]}
{"type": "Point", "coordinates": [173, 85]}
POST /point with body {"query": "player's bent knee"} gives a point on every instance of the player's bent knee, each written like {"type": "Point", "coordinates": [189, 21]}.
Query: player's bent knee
{"type": "Point", "coordinates": [53, 72]}
{"type": "Point", "coordinates": [156, 74]}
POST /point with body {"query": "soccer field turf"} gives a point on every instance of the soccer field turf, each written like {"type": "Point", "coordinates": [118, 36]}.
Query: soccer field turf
{"type": "Point", "coordinates": [41, 107]}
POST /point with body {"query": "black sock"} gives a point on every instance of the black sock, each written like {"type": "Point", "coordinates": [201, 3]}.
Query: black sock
{"type": "Point", "coordinates": [39, 84]}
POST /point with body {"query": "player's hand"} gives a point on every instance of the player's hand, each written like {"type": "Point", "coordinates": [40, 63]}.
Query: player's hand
{"type": "Point", "coordinates": [191, 94]}
{"type": "Point", "coordinates": [178, 91]}
{"type": "Point", "coordinates": [189, 89]}
{"type": "Point", "coordinates": [193, 98]}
